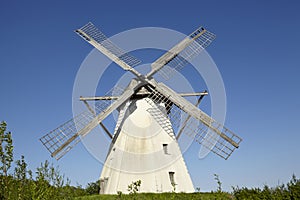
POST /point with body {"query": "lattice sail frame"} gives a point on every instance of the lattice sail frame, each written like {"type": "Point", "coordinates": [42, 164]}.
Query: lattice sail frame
{"type": "Point", "coordinates": [160, 118]}
{"type": "Point", "coordinates": [195, 44]}
{"type": "Point", "coordinates": [57, 137]}
{"type": "Point", "coordinates": [192, 127]}
{"type": "Point", "coordinates": [92, 32]}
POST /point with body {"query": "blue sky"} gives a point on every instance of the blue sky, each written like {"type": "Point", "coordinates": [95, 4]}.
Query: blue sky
{"type": "Point", "coordinates": [257, 52]}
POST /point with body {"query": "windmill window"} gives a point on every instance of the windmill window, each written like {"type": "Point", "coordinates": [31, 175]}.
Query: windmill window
{"type": "Point", "coordinates": [171, 176]}
{"type": "Point", "coordinates": [165, 148]}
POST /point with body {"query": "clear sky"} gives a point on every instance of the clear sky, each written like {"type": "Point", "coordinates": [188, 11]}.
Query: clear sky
{"type": "Point", "coordinates": [257, 52]}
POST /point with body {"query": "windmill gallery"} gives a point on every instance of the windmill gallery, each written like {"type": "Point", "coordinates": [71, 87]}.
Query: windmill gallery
{"type": "Point", "coordinates": [144, 145]}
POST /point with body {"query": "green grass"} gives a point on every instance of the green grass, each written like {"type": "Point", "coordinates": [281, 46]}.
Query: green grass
{"type": "Point", "coordinates": [162, 196]}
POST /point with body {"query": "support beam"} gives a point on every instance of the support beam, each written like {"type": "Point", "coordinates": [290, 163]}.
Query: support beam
{"type": "Point", "coordinates": [204, 93]}
{"type": "Point", "coordinates": [101, 124]}
{"type": "Point", "coordinates": [187, 119]}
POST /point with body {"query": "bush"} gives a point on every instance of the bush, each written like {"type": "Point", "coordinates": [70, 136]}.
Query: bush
{"type": "Point", "coordinates": [289, 192]}
{"type": "Point", "coordinates": [93, 188]}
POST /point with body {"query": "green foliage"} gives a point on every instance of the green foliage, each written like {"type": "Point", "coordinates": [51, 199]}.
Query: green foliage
{"type": "Point", "coordinates": [93, 188]}
{"type": "Point", "coordinates": [6, 158]}
{"type": "Point", "coordinates": [119, 194]}
{"type": "Point", "coordinates": [289, 192]}
{"type": "Point", "coordinates": [134, 187]}
{"type": "Point", "coordinates": [21, 169]}
{"type": "Point", "coordinates": [219, 189]}
{"type": "Point", "coordinates": [294, 188]}
{"type": "Point", "coordinates": [6, 149]}
{"type": "Point", "coordinates": [22, 183]}
{"type": "Point", "coordinates": [48, 184]}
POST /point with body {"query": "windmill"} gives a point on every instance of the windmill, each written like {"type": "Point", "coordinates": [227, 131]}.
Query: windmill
{"type": "Point", "coordinates": [144, 145]}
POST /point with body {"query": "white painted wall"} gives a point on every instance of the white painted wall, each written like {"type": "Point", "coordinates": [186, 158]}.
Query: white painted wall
{"type": "Point", "coordinates": [137, 154]}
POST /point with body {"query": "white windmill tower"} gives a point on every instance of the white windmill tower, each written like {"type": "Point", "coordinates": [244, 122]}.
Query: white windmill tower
{"type": "Point", "coordinates": [144, 146]}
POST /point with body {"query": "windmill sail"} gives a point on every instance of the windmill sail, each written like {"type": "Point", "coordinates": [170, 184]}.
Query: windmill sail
{"type": "Point", "coordinates": [180, 55]}
{"type": "Point", "coordinates": [200, 126]}
{"type": "Point", "coordinates": [95, 37]}
{"type": "Point", "coordinates": [66, 133]}
{"type": "Point", "coordinates": [65, 137]}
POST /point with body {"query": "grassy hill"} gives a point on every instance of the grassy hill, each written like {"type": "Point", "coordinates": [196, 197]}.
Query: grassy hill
{"type": "Point", "coordinates": [162, 196]}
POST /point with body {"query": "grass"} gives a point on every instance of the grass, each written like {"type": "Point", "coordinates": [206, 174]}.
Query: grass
{"type": "Point", "coordinates": [162, 196]}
